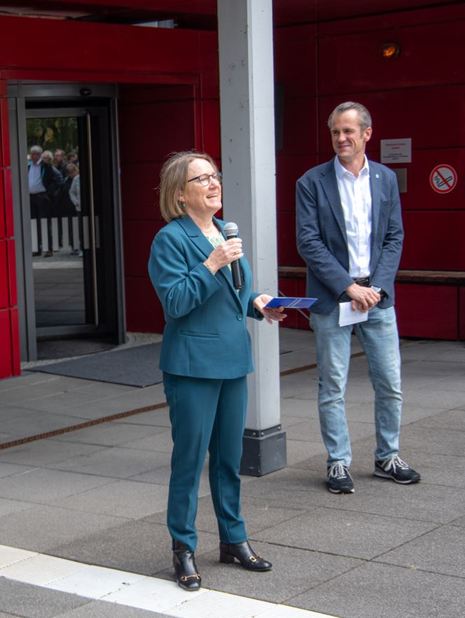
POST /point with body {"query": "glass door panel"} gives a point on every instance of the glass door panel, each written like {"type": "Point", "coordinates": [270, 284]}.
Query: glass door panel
{"type": "Point", "coordinates": [66, 171]}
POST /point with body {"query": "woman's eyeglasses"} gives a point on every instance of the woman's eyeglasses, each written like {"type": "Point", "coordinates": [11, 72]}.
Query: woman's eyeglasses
{"type": "Point", "coordinates": [205, 179]}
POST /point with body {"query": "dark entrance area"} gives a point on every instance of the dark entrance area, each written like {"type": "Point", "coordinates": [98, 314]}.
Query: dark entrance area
{"type": "Point", "coordinates": [69, 210]}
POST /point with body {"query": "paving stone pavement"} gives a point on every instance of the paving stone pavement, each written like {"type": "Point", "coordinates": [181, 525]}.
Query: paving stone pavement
{"type": "Point", "coordinates": [97, 496]}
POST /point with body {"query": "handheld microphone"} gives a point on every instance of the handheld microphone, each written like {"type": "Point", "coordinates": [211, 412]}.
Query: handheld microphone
{"type": "Point", "coordinates": [232, 231]}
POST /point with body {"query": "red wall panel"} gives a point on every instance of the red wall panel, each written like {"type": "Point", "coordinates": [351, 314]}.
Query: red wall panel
{"type": "Point", "coordinates": [434, 240]}
{"type": "Point", "coordinates": [98, 48]}
{"type": "Point", "coordinates": [426, 50]}
{"type": "Point", "coordinates": [162, 125]}
{"type": "Point", "coordinates": [288, 169]}
{"type": "Point", "coordinates": [143, 311]}
{"type": "Point", "coordinates": [5, 344]}
{"type": "Point", "coordinates": [2, 207]}
{"type": "Point", "coordinates": [154, 121]}
{"type": "Point", "coordinates": [4, 276]}
{"type": "Point", "coordinates": [420, 195]}
{"type": "Point", "coordinates": [11, 261]}
{"type": "Point", "coordinates": [139, 184]}
{"type": "Point", "coordinates": [462, 313]}
{"type": "Point", "coordinates": [138, 236]}
{"type": "Point", "coordinates": [411, 96]}
{"type": "Point", "coordinates": [210, 138]}
{"type": "Point", "coordinates": [295, 60]}
{"type": "Point", "coordinates": [427, 311]}
{"type": "Point", "coordinates": [8, 200]}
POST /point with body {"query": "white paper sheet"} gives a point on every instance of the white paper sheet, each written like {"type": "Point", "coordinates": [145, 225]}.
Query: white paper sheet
{"type": "Point", "coordinates": [348, 316]}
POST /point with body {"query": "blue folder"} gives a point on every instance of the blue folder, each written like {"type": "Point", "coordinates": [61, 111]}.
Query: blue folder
{"type": "Point", "coordinates": [291, 302]}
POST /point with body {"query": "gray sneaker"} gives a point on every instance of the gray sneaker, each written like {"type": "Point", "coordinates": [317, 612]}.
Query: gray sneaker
{"type": "Point", "coordinates": [339, 480]}
{"type": "Point", "coordinates": [397, 470]}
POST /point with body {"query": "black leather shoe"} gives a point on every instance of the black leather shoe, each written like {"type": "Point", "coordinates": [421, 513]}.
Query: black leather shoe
{"type": "Point", "coordinates": [187, 576]}
{"type": "Point", "coordinates": [245, 555]}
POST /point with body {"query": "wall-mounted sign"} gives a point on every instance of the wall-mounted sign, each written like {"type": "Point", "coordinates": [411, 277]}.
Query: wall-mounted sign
{"type": "Point", "coordinates": [443, 178]}
{"type": "Point", "coordinates": [396, 150]}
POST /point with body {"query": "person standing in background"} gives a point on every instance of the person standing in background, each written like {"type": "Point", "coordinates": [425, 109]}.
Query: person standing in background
{"type": "Point", "coordinates": [350, 234]}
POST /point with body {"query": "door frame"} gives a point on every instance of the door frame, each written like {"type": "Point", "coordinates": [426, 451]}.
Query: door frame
{"type": "Point", "coordinates": [51, 95]}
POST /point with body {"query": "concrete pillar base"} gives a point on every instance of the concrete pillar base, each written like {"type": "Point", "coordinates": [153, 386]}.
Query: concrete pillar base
{"type": "Point", "coordinates": [264, 451]}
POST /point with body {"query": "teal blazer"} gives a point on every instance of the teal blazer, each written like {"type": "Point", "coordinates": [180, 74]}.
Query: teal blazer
{"type": "Point", "coordinates": [205, 335]}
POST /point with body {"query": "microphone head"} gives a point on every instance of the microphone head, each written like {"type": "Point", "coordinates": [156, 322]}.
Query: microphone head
{"type": "Point", "coordinates": [231, 230]}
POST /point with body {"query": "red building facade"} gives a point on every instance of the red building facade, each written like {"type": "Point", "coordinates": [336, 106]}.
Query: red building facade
{"type": "Point", "coordinates": [168, 99]}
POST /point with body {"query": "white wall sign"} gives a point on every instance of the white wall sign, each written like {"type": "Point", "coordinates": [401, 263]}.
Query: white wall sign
{"type": "Point", "coordinates": [396, 150]}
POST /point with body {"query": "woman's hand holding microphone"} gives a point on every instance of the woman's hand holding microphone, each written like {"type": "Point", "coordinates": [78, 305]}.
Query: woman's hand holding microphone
{"type": "Point", "coordinates": [224, 254]}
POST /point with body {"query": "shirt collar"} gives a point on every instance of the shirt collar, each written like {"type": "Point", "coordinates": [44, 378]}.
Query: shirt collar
{"type": "Point", "coordinates": [342, 172]}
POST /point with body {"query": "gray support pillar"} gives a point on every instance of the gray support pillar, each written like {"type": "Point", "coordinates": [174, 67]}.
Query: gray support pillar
{"type": "Point", "coordinates": [249, 198]}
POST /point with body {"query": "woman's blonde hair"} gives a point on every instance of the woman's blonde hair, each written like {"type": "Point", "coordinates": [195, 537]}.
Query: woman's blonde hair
{"type": "Point", "coordinates": [173, 178]}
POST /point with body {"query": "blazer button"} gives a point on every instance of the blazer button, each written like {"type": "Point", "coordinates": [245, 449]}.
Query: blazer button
{"type": "Point", "coordinates": [239, 317]}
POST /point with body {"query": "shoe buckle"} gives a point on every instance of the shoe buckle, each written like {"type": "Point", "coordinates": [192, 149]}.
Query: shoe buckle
{"type": "Point", "coordinates": [185, 578]}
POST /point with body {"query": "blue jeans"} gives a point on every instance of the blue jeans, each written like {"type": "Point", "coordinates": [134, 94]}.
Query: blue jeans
{"type": "Point", "coordinates": [380, 342]}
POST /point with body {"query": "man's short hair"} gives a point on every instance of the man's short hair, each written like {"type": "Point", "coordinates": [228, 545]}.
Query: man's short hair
{"type": "Point", "coordinates": [36, 149]}
{"type": "Point", "coordinates": [363, 113]}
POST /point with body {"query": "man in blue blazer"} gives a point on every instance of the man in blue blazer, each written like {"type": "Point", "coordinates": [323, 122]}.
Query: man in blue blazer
{"type": "Point", "coordinates": [349, 232]}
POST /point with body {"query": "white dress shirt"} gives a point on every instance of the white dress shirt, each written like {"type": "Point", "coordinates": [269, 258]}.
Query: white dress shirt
{"type": "Point", "coordinates": [355, 195]}
{"type": "Point", "coordinates": [35, 178]}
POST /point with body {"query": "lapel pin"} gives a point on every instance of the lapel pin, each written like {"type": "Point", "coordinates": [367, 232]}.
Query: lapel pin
{"type": "Point", "coordinates": [377, 175]}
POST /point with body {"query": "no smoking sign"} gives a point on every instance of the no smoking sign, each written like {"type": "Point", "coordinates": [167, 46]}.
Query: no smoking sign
{"type": "Point", "coordinates": [443, 178]}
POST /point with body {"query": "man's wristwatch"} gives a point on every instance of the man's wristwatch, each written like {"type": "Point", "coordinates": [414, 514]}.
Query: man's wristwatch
{"type": "Point", "coordinates": [379, 291]}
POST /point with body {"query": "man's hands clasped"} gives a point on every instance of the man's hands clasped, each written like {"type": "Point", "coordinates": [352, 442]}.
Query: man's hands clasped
{"type": "Point", "coordinates": [363, 298]}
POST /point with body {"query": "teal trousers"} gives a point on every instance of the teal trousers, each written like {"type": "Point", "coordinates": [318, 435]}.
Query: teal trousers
{"type": "Point", "coordinates": [205, 415]}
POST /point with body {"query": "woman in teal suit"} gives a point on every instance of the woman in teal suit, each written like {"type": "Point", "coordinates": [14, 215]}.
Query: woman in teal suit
{"type": "Point", "coordinates": [205, 357]}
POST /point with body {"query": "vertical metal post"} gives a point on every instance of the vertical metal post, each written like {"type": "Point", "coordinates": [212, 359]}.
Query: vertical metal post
{"type": "Point", "coordinates": [248, 161]}
{"type": "Point", "coordinates": [93, 245]}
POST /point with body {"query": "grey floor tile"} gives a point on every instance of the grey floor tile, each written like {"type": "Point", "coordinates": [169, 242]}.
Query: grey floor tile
{"type": "Point", "coordinates": [157, 476]}
{"type": "Point", "coordinates": [160, 441]}
{"type": "Point", "coordinates": [440, 551]}
{"type": "Point", "coordinates": [344, 533]}
{"type": "Point", "coordinates": [136, 546]}
{"type": "Point", "coordinates": [158, 418]}
{"type": "Point", "coordinates": [460, 521]}
{"type": "Point", "coordinates": [449, 351]}
{"type": "Point", "coordinates": [127, 499]}
{"type": "Point", "coordinates": [433, 440]}
{"type": "Point", "coordinates": [45, 452]}
{"type": "Point", "coordinates": [102, 609]}
{"type": "Point", "coordinates": [44, 485]}
{"type": "Point", "coordinates": [437, 399]}
{"type": "Point", "coordinates": [303, 486]}
{"type": "Point", "coordinates": [14, 506]}
{"type": "Point", "coordinates": [452, 420]}
{"type": "Point", "coordinates": [110, 434]}
{"type": "Point", "coordinates": [294, 571]}
{"type": "Point", "coordinates": [7, 469]}
{"type": "Point", "coordinates": [257, 513]}
{"type": "Point", "coordinates": [114, 462]}
{"type": "Point", "coordinates": [33, 602]}
{"type": "Point", "coordinates": [302, 385]}
{"type": "Point", "coordinates": [42, 528]}
{"type": "Point", "coordinates": [303, 429]}
{"type": "Point", "coordinates": [386, 592]}
{"type": "Point", "coordinates": [38, 422]}
{"type": "Point", "coordinates": [295, 486]}
{"type": "Point", "coordinates": [10, 412]}
{"type": "Point", "coordinates": [297, 409]}
{"type": "Point", "coordinates": [299, 451]}
{"type": "Point", "coordinates": [441, 469]}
